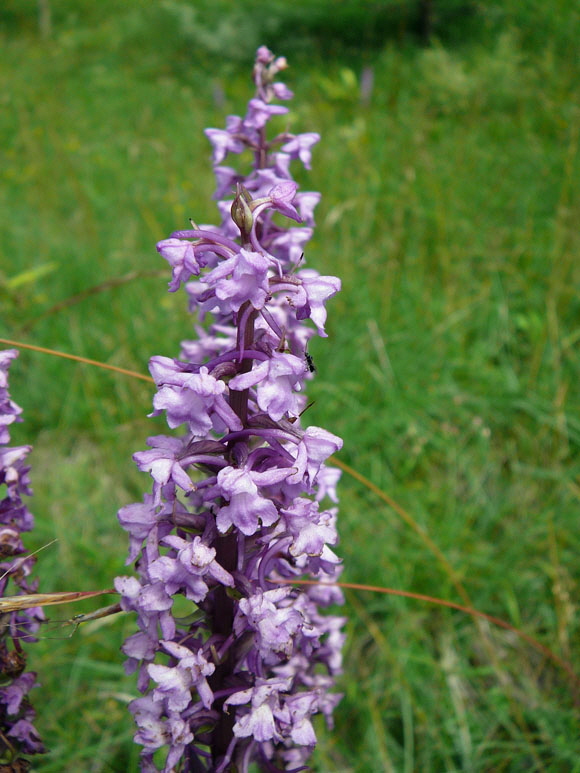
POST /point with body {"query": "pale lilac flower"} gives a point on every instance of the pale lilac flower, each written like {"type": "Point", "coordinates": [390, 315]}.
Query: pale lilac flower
{"type": "Point", "coordinates": [281, 196]}
{"type": "Point", "coordinates": [9, 411]}
{"type": "Point", "coordinates": [274, 625]}
{"type": "Point", "coordinates": [300, 147]}
{"type": "Point", "coordinates": [163, 462]}
{"type": "Point", "coordinates": [199, 559]}
{"type": "Point", "coordinates": [327, 479]}
{"type": "Point", "coordinates": [193, 399]}
{"type": "Point", "coordinates": [138, 519]}
{"type": "Point", "coordinates": [277, 380]}
{"type": "Point", "coordinates": [175, 683]}
{"type": "Point", "coordinates": [185, 572]}
{"type": "Point", "coordinates": [226, 141]}
{"type": "Point", "coordinates": [155, 732]}
{"type": "Point", "coordinates": [243, 278]}
{"type": "Point", "coordinates": [318, 289]}
{"type": "Point", "coordinates": [259, 113]}
{"type": "Point", "coordinates": [307, 203]}
{"type": "Point", "coordinates": [181, 256]}
{"type": "Point", "coordinates": [312, 530]}
{"type": "Point", "coordinates": [301, 707]}
{"type": "Point", "coordinates": [247, 507]}
{"type": "Point", "coordinates": [264, 699]}
{"type": "Point", "coordinates": [314, 448]}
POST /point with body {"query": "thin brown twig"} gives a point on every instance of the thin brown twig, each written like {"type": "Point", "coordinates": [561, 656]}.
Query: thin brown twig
{"type": "Point", "coordinates": [410, 521]}
{"type": "Point", "coordinates": [76, 358]}
{"type": "Point", "coordinates": [564, 664]}
{"type": "Point", "coordinates": [108, 284]}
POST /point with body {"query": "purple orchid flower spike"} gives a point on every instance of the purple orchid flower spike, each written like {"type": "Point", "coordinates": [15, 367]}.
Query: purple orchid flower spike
{"type": "Point", "coordinates": [18, 736]}
{"type": "Point", "coordinates": [237, 509]}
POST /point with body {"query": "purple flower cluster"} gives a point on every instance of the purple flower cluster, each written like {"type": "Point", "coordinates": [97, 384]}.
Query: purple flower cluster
{"type": "Point", "coordinates": [237, 507]}
{"type": "Point", "coordinates": [17, 733]}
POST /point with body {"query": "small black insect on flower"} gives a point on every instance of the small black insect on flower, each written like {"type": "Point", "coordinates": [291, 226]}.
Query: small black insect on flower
{"type": "Point", "coordinates": [309, 361]}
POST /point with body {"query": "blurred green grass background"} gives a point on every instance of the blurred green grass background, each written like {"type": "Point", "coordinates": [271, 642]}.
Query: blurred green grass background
{"type": "Point", "coordinates": [450, 210]}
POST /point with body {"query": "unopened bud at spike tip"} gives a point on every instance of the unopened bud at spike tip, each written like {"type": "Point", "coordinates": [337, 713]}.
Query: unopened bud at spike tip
{"type": "Point", "coordinates": [242, 213]}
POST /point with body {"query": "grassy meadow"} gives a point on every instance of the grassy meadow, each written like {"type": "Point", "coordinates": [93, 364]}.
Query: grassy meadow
{"type": "Point", "coordinates": [450, 209]}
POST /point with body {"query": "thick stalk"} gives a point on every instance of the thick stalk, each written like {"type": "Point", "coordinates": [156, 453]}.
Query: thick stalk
{"type": "Point", "coordinates": [239, 400]}
{"type": "Point", "coordinates": [226, 547]}
{"type": "Point", "coordinates": [223, 620]}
